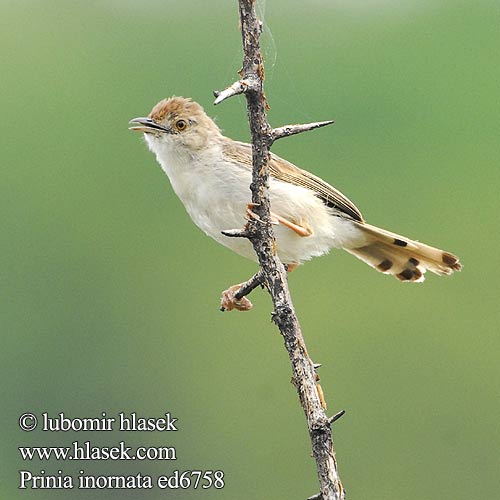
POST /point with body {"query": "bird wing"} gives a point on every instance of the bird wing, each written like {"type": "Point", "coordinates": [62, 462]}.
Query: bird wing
{"type": "Point", "coordinates": [285, 171]}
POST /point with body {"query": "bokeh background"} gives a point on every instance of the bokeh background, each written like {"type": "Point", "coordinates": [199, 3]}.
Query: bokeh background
{"type": "Point", "coordinates": [109, 294]}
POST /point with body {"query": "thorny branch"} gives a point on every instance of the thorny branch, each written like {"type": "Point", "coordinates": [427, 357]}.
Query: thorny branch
{"type": "Point", "coordinates": [273, 274]}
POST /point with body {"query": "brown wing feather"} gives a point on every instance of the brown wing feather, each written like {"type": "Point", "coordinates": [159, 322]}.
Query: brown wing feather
{"type": "Point", "coordinates": [287, 172]}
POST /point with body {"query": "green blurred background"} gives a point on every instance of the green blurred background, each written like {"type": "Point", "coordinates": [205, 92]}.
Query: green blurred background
{"type": "Point", "coordinates": [109, 294]}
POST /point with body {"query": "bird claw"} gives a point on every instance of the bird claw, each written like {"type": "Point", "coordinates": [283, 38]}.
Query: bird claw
{"type": "Point", "coordinates": [228, 301]}
{"type": "Point", "coordinates": [250, 214]}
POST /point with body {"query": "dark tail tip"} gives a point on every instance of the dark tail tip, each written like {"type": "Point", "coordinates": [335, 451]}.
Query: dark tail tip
{"type": "Point", "coordinates": [451, 261]}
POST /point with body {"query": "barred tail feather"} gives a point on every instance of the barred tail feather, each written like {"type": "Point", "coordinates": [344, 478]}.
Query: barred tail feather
{"type": "Point", "coordinates": [405, 259]}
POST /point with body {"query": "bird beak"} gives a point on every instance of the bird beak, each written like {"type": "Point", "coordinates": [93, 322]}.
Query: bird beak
{"type": "Point", "coordinates": [147, 125]}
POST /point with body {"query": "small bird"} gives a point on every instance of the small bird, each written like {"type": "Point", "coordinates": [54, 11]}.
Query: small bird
{"type": "Point", "coordinates": [211, 175]}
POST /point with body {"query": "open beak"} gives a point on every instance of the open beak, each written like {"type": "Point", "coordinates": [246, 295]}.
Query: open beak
{"type": "Point", "coordinates": [147, 125]}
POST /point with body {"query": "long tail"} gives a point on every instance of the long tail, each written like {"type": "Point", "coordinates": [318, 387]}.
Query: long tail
{"type": "Point", "coordinates": [406, 259]}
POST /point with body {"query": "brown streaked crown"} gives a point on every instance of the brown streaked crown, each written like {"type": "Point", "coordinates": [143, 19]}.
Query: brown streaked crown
{"type": "Point", "coordinates": [175, 106]}
{"type": "Point", "coordinates": [201, 129]}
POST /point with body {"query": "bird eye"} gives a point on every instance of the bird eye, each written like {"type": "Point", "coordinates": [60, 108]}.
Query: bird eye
{"type": "Point", "coordinates": [180, 125]}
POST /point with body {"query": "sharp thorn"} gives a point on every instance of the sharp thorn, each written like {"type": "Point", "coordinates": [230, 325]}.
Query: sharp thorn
{"type": "Point", "coordinates": [318, 496]}
{"type": "Point", "coordinates": [335, 417]}
{"type": "Point", "coordinates": [234, 233]}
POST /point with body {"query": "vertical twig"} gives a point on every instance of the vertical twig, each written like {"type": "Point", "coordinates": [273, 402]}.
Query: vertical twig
{"type": "Point", "coordinates": [260, 234]}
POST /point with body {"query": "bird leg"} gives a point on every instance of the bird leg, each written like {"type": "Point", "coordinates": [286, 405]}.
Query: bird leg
{"type": "Point", "coordinates": [303, 229]}
{"type": "Point", "coordinates": [235, 296]}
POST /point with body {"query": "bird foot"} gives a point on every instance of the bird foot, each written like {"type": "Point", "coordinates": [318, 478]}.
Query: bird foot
{"type": "Point", "coordinates": [228, 301]}
{"type": "Point", "coordinates": [250, 214]}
